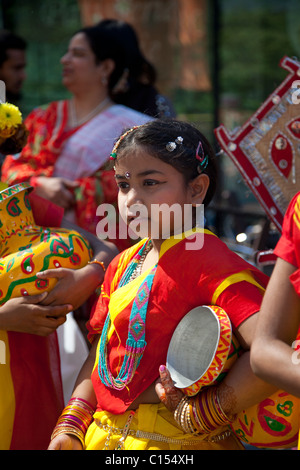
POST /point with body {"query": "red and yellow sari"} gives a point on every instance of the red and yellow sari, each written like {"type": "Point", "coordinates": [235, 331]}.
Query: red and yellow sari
{"type": "Point", "coordinates": [184, 279]}
{"type": "Point", "coordinates": [31, 396]}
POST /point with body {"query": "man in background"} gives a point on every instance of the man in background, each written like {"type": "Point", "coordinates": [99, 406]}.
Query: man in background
{"type": "Point", "coordinates": [12, 64]}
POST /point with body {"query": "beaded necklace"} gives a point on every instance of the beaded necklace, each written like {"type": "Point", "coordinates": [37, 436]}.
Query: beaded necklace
{"type": "Point", "coordinates": [135, 344]}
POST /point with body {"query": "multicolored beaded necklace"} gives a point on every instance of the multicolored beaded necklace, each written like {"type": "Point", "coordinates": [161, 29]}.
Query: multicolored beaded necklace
{"type": "Point", "coordinates": [135, 344]}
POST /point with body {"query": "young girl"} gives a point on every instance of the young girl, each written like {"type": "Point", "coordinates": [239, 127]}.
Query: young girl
{"type": "Point", "coordinates": [147, 290]}
{"type": "Point", "coordinates": [272, 354]}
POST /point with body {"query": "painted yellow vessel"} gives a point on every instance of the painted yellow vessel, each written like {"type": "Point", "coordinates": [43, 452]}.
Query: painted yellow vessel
{"type": "Point", "coordinates": [26, 248]}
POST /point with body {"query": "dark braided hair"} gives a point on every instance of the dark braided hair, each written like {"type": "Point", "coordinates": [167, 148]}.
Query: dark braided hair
{"type": "Point", "coordinates": [155, 135]}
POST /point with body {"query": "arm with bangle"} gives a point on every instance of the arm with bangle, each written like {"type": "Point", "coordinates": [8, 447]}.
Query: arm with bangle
{"type": "Point", "coordinates": [71, 427]}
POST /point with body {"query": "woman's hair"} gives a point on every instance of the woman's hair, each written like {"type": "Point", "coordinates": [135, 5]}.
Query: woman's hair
{"type": "Point", "coordinates": [185, 139]}
{"type": "Point", "coordinates": [117, 40]}
{"type": "Point", "coordinates": [105, 46]}
{"type": "Point", "coordinates": [132, 83]}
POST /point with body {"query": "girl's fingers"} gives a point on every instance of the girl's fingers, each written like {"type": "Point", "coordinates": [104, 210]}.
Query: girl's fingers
{"type": "Point", "coordinates": [166, 379]}
{"type": "Point", "coordinates": [170, 395]}
{"type": "Point", "coordinates": [161, 393]}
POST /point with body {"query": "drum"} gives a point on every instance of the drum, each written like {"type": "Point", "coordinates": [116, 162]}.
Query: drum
{"type": "Point", "coordinates": [202, 351]}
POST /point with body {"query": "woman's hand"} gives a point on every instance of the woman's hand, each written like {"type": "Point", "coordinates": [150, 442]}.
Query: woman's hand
{"type": "Point", "coordinates": [65, 442]}
{"type": "Point", "coordinates": [27, 315]}
{"type": "Point", "coordinates": [57, 190]}
{"type": "Point", "coordinates": [74, 286]}
{"type": "Point", "coordinates": [168, 394]}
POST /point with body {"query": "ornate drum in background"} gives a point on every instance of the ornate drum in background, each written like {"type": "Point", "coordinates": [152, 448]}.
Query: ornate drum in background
{"type": "Point", "coordinates": [26, 248]}
{"type": "Point", "coordinates": [202, 351]}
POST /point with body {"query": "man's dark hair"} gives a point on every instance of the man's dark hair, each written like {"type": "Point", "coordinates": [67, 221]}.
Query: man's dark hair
{"type": "Point", "coordinates": [9, 40]}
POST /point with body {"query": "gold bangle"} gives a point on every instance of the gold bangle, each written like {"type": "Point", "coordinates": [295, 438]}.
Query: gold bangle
{"type": "Point", "coordinates": [95, 261]}
{"type": "Point", "coordinates": [70, 430]}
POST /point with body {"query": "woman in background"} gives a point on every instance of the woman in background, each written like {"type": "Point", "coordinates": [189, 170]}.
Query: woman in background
{"type": "Point", "coordinates": [70, 141]}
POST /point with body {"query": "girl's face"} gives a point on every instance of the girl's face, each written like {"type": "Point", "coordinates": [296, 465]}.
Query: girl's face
{"type": "Point", "coordinates": [152, 195]}
{"type": "Point", "coordinates": [80, 70]}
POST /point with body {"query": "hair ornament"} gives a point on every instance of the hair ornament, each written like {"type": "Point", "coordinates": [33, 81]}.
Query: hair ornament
{"type": "Point", "coordinates": [113, 154]}
{"type": "Point", "coordinates": [179, 140]}
{"type": "Point", "coordinates": [203, 159]}
{"type": "Point", "coordinates": [172, 145]}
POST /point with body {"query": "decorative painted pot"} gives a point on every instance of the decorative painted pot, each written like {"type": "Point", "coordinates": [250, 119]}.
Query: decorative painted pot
{"type": "Point", "coordinates": [26, 248]}
{"type": "Point", "coordinates": [202, 351]}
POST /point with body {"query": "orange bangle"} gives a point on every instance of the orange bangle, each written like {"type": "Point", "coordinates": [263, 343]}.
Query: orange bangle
{"type": "Point", "coordinates": [95, 261]}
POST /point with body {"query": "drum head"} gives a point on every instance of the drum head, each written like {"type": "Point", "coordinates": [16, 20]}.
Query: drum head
{"type": "Point", "coordinates": [194, 351]}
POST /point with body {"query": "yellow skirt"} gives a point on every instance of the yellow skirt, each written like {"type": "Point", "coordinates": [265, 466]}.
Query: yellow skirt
{"type": "Point", "coordinates": [151, 427]}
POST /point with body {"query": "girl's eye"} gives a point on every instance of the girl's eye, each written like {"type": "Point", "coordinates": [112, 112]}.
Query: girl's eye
{"type": "Point", "coordinates": [123, 185]}
{"type": "Point", "coordinates": [150, 182]}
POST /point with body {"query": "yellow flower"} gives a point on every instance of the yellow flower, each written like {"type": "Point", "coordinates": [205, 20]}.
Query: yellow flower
{"type": "Point", "coordinates": [10, 116]}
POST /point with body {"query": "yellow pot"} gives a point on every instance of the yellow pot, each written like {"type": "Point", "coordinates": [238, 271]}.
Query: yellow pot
{"type": "Point", "coordinates": [26, 248]}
